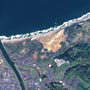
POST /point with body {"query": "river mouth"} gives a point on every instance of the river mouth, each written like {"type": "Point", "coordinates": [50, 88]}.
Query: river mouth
{"type": "Point", "coordinates": [12, 66]}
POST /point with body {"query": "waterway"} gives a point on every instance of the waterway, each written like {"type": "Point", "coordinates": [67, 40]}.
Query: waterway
{"type": "Point", "coordinates": [11, 64]}
{"type": "Point", "coordinates": [26, 16]}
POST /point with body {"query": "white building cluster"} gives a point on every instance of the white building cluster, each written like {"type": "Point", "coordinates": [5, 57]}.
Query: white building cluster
{"type": "Point", "coordinates": [59, 62]}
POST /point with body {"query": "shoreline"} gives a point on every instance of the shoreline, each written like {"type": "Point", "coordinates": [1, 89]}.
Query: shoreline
{"type": "Point", "coordinates": [83, 18]}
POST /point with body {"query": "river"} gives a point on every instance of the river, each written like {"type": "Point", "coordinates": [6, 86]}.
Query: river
{"type": "Point", "coordinates": [11, 64]}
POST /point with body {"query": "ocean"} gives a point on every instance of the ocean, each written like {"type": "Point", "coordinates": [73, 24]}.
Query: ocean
{"type": "Point", "coordinates": [25, 16]}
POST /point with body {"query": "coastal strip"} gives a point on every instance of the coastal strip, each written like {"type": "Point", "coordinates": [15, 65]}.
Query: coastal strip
{"type": "Point", "coordinates": [39, 32]}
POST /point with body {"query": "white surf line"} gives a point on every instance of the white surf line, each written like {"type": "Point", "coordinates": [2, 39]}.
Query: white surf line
{"type": "Point", "coordinates": [64, 25]}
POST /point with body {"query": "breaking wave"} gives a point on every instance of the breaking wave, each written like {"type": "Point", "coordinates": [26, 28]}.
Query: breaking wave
{"type": "Point", "coordinates": [64, 25]}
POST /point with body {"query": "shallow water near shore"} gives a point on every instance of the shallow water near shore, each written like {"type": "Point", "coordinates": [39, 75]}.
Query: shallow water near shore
{"type": "Point", "coordinates": [18, 17]}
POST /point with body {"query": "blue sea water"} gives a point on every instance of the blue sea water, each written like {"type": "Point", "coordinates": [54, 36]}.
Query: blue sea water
{"type": "Point", "coordinates": [25, 16]}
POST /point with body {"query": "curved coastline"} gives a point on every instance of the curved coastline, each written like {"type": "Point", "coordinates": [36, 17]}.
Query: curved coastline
{"type": "Point", "coordinates": [39, 32]}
